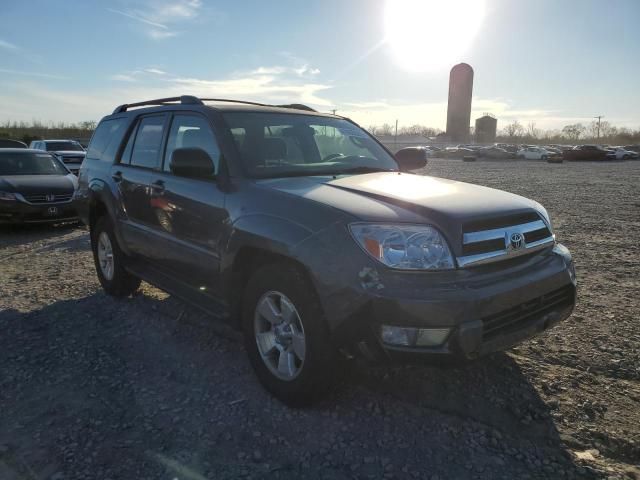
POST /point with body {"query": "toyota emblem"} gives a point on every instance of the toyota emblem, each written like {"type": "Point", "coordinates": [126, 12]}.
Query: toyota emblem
{"type": "Point", "coordinates": [517, 241]}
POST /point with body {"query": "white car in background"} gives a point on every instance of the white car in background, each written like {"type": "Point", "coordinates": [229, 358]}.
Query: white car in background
{"type": "Point", "coordinates": [533, 153]}
{"type": "Point", "coordinates": [622, 154]}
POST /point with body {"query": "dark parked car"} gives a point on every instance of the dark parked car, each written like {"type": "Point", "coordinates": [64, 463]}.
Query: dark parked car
{"type": "Point", "coordinates": [304, 231]}
{"type": "Point", "coordinates": [632, 148]}
{"type": "Point", "coordinates": [588, 152]}
{"type": "Point", "coordinates": [68, 151]}
{"type": "Point", "coordinates": [495, 153]}
{"type": "Point", "coordinates": [35, 187]}
{"type": "Point", "coordinates": [9, 143]}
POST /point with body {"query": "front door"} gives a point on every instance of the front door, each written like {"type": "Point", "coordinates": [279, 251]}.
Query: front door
{"type": "Point", "coordinates": [189, 213]}
{"type": "Point", "coordinates": [132, 174]}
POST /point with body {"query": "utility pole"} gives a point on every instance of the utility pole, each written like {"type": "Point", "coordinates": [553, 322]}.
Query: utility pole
{"type": "Point", "coordinates": [599, 117]}
{"type": "Point", "coordinates": [395, 138]}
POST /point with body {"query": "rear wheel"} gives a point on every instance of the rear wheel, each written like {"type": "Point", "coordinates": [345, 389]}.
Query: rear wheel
{"type": "Point", "coordinates": [286, 335]}
{"type": "Point", "coordinates": [110, 261]}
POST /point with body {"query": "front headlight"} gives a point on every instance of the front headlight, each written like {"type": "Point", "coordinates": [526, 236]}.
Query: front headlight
{"type": "Point", "coordinates": [406, 247]}
{"type": "Point", "coordinates": [7, 196]}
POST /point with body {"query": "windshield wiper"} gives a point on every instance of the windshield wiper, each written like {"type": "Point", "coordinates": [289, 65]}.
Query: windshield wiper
{"type": "Point", "coordinates": [361, 169]}
{"type": "Point", "coordinates": [327, 173]}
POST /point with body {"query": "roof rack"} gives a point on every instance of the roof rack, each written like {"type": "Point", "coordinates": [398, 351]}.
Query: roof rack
{"type": "Point", "coordinates": [183, 100]}
{"type": "Point", "coordinates": [235, 101]}
{"type": "Point", "coordinates": [297, 106]}
{"type": "Point", "coordinates": [191, 100]}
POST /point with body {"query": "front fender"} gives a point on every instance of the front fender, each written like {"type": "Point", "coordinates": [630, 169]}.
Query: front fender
{"type": "Point", "coordinates": [266, 232]}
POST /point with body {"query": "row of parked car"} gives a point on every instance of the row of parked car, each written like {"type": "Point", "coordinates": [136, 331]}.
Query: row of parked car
{"type": "Point", "coordinates": [502, 151]}
{"type": "Point", "coordinates": [37, 183]}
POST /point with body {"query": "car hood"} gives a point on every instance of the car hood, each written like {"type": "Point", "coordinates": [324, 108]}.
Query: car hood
{"type": "Point", "coordinates": [407, 198]}
{"type": "Point", "coordinates": [33, 184]}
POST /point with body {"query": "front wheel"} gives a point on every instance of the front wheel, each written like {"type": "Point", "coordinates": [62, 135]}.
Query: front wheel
{"type": "Point", "coordinates": [285, 335]}
{"type": "Point", "coordinates": [110, 260]}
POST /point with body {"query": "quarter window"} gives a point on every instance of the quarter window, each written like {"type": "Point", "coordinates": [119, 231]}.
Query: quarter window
{"type": "Point", "coordinates": [148, 142]}
{"type": "Point", "coordinates": [105, 138]}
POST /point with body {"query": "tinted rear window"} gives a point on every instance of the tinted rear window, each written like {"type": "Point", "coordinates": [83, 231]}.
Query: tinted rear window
{"type": "Point", "coordinates": [62, 146]}
{"type": "Point", "coordinates": [106, 139]}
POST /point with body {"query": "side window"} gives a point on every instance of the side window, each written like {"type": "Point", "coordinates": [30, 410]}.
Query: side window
{"type": "Point", "coordinates": [191, 131]}
{"type": "Point", "coordinates": [125, 159]}
{"type": "Point", "coordinates": [105, 138]}
{"type": "Point", "coordinates": [148, 142]}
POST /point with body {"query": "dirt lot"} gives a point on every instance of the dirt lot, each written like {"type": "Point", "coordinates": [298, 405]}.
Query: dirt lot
{"type": "Point", "coordinates": [149, 388]}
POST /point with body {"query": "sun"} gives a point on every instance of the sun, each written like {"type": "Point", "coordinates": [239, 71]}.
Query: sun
{"type": "Point", "coordinates": [431, 34]}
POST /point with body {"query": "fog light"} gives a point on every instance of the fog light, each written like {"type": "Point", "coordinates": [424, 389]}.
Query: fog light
{"type": "Point", "coordinates": [431, 337]}
{"type": "Point", "coordinates": [414, 337]}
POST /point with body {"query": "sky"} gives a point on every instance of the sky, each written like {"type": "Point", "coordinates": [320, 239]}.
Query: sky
{"type": "Point", "coordinates": [550, 62]}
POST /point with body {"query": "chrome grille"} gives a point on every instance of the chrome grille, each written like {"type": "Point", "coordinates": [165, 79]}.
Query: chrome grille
{"type": "Point", "coordinates": [504, 240]}
{"type": "Point", "coordinates": [48, 198]}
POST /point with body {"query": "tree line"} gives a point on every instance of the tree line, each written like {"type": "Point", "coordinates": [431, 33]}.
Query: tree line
{"type": "Point", "coordinates": [515, 132]}
{"type": "Point", "coordinates": [594, 132]}
{"type": "Point", "coordinates": [35, 130]}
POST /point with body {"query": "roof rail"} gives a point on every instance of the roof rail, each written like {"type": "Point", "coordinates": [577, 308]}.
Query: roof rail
{"type": "Point", "coordinates": [235, 101]}
{"type": "Point", "coordinates": [297, 106]}
{"type": "Point", "coordinates": [191, 100]}
{"type": "Point", "coordinates": [183, 100]}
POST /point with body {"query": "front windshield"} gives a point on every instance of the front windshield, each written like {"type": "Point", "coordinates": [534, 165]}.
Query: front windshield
{"type": "Point", "coordinates": [29, 163]}
{"type": "Point", "coordinates": [68, 146]}
{"type": "Point", "coordinates": [281, 145]}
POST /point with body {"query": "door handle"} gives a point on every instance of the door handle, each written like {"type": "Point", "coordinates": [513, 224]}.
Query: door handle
{"type": "Point", "coordinates": [117, 177]}
{"type": "Point", "coordinates": [158, 187]}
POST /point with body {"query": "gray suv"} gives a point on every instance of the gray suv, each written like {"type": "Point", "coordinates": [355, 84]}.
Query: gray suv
{"type": "Point", "coordinates": [305, 232]}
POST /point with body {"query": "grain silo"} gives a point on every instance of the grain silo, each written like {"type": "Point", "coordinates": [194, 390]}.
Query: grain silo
{"type": "Point", "coordinates": [486, 128]}
{"type": "Point", "coordinates": [459, 107]}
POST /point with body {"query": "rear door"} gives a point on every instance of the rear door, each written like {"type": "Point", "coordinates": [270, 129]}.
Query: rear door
{"type": "Point", "coordinates": [132, 174]}
{"type": "Point", "coordinates": [189, 213]}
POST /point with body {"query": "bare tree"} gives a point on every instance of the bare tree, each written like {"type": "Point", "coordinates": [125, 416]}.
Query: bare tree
{"type": "Point", "coordinates": [532, 131]}
{"type": "Point", "coordinates": [574, 131]}
{"type": "Point", "coordinates": [513, 129]}
{"type": "Point", "coordinates": [385, 129]}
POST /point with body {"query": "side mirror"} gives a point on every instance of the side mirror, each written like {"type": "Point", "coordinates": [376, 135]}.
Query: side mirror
{"type": "Point", "coordinates": [411, 158]}
{"type": "Point", "coordinates": [191, 162]}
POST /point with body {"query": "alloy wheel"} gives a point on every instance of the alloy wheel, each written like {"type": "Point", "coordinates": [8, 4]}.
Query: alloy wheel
{"type": "Point", "coordinates": [279, 335]}
{"type": "Point", "coordinates": [105, 256]}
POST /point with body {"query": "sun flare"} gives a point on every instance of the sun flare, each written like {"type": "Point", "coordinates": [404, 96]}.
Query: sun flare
{"type": "Point", "coordinates": [430, 34]}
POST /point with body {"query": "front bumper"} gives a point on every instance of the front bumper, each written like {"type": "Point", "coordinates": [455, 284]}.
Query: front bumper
{"type": "Point", "coordinates": [486, 309]}
{"type": "Point", "coordinates": [19, 212]}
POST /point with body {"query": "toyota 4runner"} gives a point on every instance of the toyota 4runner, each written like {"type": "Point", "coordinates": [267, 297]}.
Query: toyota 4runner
{"type": "Point", "coordinates": [305, 232]}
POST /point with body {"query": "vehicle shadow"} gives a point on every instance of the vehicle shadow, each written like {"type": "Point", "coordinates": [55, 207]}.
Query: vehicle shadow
{"type": "Point", "coordinates": [19, 235]}
{"type": "Point", "coordinates": [148, 382]}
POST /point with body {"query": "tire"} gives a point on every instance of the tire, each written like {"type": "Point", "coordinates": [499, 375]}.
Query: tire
{"type": "Point", "coordinates": [544, 158]}
{"type": "Point", "coordinates": [295, 372]}
{"type": "Point", "coordinates": [115, 280]}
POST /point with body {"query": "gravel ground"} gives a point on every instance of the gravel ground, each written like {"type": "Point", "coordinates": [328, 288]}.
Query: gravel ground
{"type": "Point", "coordinates": [149, 388]}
